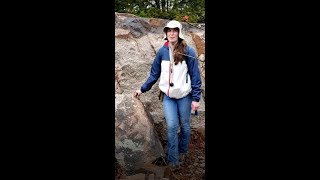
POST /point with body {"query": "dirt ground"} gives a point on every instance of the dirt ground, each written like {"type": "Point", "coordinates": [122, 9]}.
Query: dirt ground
{"type": "Point", "coordinates": [194, 166]}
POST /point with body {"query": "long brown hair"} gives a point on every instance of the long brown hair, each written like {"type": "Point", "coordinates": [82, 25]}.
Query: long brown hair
{"type": "Point", "coordinates": [179, 47]}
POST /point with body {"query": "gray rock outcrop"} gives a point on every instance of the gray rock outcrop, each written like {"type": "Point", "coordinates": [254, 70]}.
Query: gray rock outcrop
{"type": "Point", "coordinates": [136, 42]}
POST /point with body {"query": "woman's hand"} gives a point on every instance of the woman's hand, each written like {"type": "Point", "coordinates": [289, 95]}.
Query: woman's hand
{"type": "Point", "coordinates": [195, 105]}
{"type": "Point", "coordinates": [137, 93]}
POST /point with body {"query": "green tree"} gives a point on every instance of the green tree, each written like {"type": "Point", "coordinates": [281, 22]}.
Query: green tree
{"type": "Point", "coordinates": [164, 9]}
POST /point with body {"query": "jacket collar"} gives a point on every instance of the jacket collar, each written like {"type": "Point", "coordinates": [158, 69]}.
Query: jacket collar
{"type": "Point", "coordinates": [166, 45]}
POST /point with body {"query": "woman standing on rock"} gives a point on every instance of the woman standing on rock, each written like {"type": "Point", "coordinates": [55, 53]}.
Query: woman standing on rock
{"type": "Point", "coordinates": [180, 82]}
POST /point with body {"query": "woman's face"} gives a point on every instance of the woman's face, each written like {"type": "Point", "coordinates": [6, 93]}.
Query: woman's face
{"type": "Point", "coordinates": [173, 34]}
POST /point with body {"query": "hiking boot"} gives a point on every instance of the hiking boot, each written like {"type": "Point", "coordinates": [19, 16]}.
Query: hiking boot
{"type": "Point", "coordinates": [182, 157]}
{"type": "Point", "coordinates": [174, 167]}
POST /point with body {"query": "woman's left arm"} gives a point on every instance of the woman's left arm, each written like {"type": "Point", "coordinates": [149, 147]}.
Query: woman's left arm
{"type": "Point", "coordinates": [194, 73]}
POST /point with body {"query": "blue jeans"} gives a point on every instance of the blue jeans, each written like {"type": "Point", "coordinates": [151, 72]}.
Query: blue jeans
{"type": "Point", "coordinates": [177, 111]}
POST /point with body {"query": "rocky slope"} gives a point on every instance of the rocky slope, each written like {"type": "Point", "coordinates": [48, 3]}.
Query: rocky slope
{"type": "Point", "coordinates": [140, 125]}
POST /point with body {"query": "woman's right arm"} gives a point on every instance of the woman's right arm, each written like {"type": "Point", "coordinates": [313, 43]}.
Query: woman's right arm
{"type": "Point", "coordinates": [154, 74]}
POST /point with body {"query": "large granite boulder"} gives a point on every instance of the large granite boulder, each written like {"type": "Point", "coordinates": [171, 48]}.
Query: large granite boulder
{"type": "Point", "coordinates": [136, 141]}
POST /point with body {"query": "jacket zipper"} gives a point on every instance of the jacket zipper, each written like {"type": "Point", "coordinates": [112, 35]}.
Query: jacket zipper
{"type": "Point", "coordinates": [170, 70]}
{"type": "Point", "coordinates": [187, 77]}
